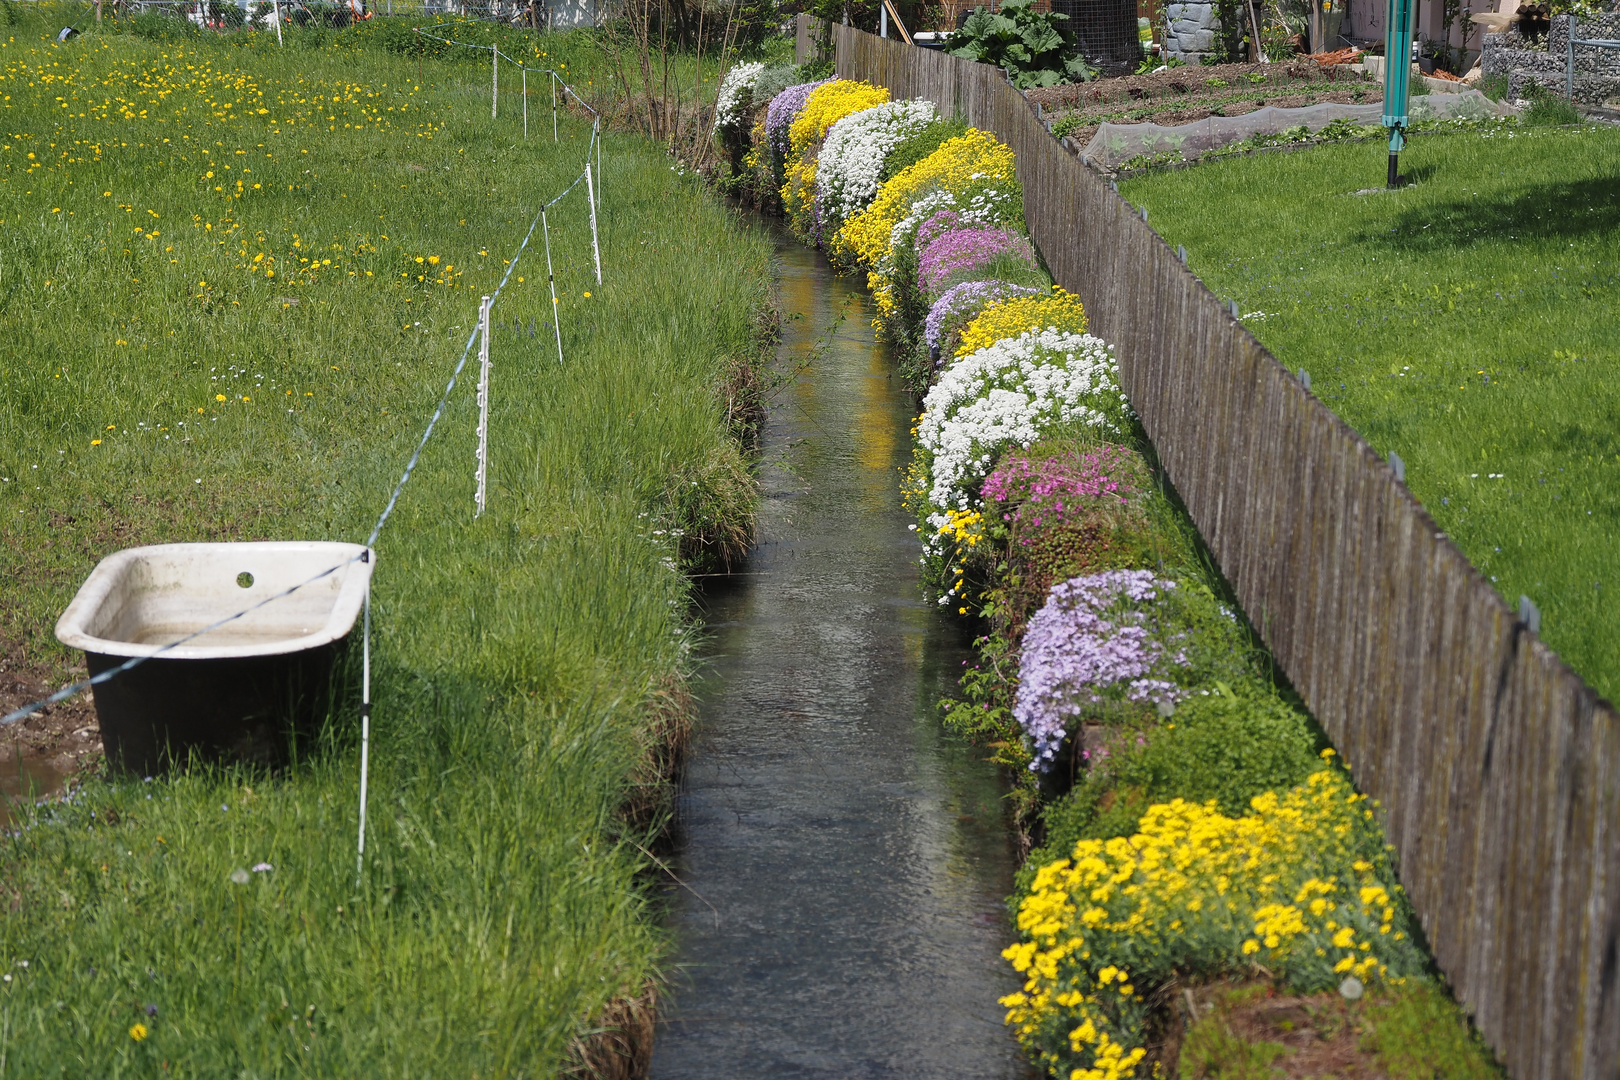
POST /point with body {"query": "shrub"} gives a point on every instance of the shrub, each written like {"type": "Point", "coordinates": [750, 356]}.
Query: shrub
{"type": "Point", "coordinates": [1299, 884]}
{"type": "Point", "coordinates": [1059, 310]}
{"type": "Point", "coordinates": [1031, 46]}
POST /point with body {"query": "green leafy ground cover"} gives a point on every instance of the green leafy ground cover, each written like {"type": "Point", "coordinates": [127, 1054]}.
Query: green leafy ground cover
{"type": "Point", "coordinates": [158, 384]}
{"type": "Point", "coordinates": [1464, 322]}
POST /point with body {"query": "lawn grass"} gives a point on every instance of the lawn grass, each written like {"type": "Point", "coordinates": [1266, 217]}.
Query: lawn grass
{"type": "Point", "coordinates": [1465, 322]}
{"type": "Point", "coordinates": [523, 660]}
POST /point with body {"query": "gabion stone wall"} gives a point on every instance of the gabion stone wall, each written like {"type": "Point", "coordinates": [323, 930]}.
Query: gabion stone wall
{"type": "Point", "coordinates": [1190, 32]}
{"type": "Point", "coordinates": [1597, 71]}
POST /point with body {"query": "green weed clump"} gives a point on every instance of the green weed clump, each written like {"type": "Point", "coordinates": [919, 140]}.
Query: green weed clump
{"type": "Point", "coordinates": [1464, 322]}
{"type": "Point", "coordinates": [237, 280]}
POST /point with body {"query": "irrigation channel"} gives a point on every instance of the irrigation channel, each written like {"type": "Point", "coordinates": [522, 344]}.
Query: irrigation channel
{"type": "Point", "coordinates": [844, 862]}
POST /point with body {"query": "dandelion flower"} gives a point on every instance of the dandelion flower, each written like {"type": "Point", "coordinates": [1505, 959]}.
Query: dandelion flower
{"type": "Point", "coordinates": [138, 1032]}
{"type": "Point", "coordinates": [95, 442]}
{"type": "Point", "coordinates": [217, 397]}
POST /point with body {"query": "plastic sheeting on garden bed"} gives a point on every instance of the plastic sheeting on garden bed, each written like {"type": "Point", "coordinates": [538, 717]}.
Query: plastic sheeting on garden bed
{"type": "Point", "coordinates": [1116, 144]}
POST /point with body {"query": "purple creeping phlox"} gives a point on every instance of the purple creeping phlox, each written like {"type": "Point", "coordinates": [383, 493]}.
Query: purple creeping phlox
{"type": "Point", "coordinates": [784, 109]}
{"type": "Point", "coordinates": [1092, 642]}
{"type": "Point", "coordinates": [963, 249]}
{"type": "Point", "coordinates": [960, 303]}
{"type": "Point", "coordinates": [1062, 488]}
{"type": "Point", "coordinates": [934, 226]}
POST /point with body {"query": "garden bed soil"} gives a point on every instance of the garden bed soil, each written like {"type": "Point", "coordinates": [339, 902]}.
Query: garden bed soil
{"type": "Point", "coordinates": [1185, 95]}
{"type": "Point", "coordinates": [1185, 81]}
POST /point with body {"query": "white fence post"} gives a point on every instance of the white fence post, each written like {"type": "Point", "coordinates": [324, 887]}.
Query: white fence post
{"type": "Point", "coordinates": [494, 78]}
{"type": "Point", "coordinates": [556, 316]}
{"type": "Point", "coordinates": [596, 250]}
{"type": "Point", "coordinates": [483, 405]}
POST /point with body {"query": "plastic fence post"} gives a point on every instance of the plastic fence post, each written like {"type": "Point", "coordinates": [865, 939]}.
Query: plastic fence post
{"type": "Point", "coordinates": [1569, 56]}
{"type": "Point", "coordinates": [365, 733]}
{"type": "Point", "coordinates": [494, 78]}
{"type": "Point", "coordinates": [483, 406]}
{"type": "Point", "coordinates": [551, 279]}
{"type": "Point", "coordinates": [1397, 79]}
{"type": "Point", "coordinates": [596, 251]}
{"type": "Point", "coordinates": [525, 102]}
{"type": "Point", "coordinates": [553, 106]}
{"type": "Point", "coordinates": [276, 4]}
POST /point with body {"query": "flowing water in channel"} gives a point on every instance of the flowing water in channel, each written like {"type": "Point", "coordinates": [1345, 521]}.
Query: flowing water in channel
{"type": "Point", "coordinates": [845, 862]}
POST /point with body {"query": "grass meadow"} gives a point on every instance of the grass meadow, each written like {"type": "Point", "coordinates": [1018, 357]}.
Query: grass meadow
{"type": "Point", "coordinates": [1465, 322]}
{"type": "Point", "coordinates": [234, 280]}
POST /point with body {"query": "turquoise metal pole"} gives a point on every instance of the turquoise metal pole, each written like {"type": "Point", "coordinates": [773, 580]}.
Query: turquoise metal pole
{"type": "Point", "coordinates": [1397, 79]}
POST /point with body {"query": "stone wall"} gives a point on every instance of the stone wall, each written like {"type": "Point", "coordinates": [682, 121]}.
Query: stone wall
{"type": "Point", "coordinates": [1597, 71]}
{"type": "Point", "coordinates": [1190, 31]}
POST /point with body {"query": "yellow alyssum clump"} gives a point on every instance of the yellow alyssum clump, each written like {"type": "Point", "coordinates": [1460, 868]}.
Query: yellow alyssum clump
{"type": "Point", "coordinates": [958, 162]}
{"type": "Point", "coordinates": [1282, 886]}
{"type": "Point", "coordinates": [1008, 318]}
{"type": "Point", "coordinates": [826, 105]}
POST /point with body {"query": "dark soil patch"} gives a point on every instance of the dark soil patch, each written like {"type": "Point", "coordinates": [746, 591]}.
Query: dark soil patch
{"type": "Point", "coordinates": [1181, 82]}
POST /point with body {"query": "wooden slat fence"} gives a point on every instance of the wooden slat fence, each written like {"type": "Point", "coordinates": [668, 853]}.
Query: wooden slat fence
{"type": "Point", "coordinates": [1497, 768]}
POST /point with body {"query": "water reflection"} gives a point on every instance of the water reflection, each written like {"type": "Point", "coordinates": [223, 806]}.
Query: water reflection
{"type": "Point", "coordinates": [847, 861]}
{"type": "Point", "coordinates": [24, 779]}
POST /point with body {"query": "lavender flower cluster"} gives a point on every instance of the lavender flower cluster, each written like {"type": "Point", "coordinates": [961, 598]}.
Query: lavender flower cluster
{"type": "Point", "coordinates": [960, 303]}
{"type": "Point", "coordinates": [784, 109]}
{"type": "Point", "coordinates": [1092, 642]}
{"type": "Point", "coordinates": [963, 249]}
{"type": "Point", "coordinates": [1056, 489]}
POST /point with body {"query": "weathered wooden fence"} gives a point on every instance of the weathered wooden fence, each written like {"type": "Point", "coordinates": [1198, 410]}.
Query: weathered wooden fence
{"type": "Point", "coordinates": [1497, 768]}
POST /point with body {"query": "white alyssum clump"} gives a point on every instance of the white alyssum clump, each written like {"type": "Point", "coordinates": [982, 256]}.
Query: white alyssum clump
{"type": "Point", "coordinates": [851, 159]}
{"type": "Point", "coordinates": [1011, 393]}
{"type": "Point", "coordinates": [736, 94]}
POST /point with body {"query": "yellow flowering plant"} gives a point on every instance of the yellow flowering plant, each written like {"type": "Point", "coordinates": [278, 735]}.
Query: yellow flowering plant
{"type": "Point", "coordinates": [826, 105]}
{"type": "Point", "coordinates": [1298, 886]}
{"type": "Point", "coordinates": [1061, 310]}
{"type": "Point", "coordinates": [970, 177]}
{"type": "Point", "coordinates": [956, 164]}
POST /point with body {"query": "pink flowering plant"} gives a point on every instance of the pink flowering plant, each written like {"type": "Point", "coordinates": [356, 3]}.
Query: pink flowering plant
{"type": "Point", "coordinates": [1056, 490]}
{"type": "Point", "coordinates": [969, 249]}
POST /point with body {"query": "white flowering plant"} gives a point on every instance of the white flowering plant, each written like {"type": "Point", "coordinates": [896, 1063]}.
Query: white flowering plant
{"type": "Point", "coordinates": [735, 99]}
{"type": "Point", "coordinates": [849, 169]}
{"type": "Point", "coordinates": [1004, 395]}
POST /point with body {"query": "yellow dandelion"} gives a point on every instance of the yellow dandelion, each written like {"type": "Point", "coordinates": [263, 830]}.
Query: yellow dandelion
{"type": "Point", "coordinates": [138, 1032]}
